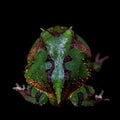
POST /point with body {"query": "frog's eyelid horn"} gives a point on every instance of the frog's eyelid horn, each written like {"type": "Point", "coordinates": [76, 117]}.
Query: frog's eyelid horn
{"type": "Point", "coordinates": [42, 29]}
{"type": "Point", "coordinates": [70, 27]}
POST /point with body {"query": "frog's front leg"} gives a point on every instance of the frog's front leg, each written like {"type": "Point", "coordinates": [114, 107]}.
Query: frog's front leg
{"type": "Point", "coordinates": [31, 94]}
{"type": "Point", "coordinates": [98, 62]}
{"type": "Point", "coordinates": [85, 96]}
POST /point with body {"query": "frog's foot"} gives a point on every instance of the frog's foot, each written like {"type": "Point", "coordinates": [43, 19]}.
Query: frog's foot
{"type": "Point", "coordinates": [22, 91]}
{"type": "Point", "coordinates": [100, 97]}
{"type": "Point", "coordinates": [31, 94]}
{"type": "Point", "coordinates": [97, 99]}
{"type": "Point", "coordinates": [100, 61]}
{"type": "Point", "coordinates": [18, 87]}
{"type": "Point", "coordinates": [85, 97]}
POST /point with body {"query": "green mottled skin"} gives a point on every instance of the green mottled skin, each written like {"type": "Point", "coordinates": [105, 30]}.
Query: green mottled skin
{"type": "Point", "coordinates": [57, 42]}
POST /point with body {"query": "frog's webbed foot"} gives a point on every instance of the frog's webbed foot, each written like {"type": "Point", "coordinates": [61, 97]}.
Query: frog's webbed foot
{"type": "Point", "coordinates": [25, 93]}
{"type": "Point", "coordinates": [99, 61]}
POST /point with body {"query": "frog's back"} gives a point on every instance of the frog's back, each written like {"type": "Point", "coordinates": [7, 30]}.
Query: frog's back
{"type": "Point", "coordinates": [58, 60]}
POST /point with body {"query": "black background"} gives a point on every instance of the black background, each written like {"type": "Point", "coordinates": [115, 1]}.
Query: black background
{"type": "Point", "coordinates": [94, 24]}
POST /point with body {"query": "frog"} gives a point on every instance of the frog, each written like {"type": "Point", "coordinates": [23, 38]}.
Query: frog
{"type": "Point", "coordinates": [58, 67]}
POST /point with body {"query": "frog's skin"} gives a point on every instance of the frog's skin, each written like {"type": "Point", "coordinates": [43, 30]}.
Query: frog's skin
{"type": "Point", "coordinates": [59, 64]}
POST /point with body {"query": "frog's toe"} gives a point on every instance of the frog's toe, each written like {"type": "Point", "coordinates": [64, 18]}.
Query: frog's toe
{"type": "Point", "coordinates": [97, 58]}
{"type": "Point", "coordinates": [99, 61]}
{"type": "Point", "coordinates": [100, 97]}
{"type": "Point", "coordinates": [102, 60]}
{"type": "Point", "coordinates": [18, 87]}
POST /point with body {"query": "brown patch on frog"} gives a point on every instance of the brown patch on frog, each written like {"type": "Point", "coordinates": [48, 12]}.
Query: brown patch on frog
{"type": "Point", "coordinates": [41, 44]}
{"type": "Point", "coordinates": [42, 88]}
{"type": "Point", "coordinates": [67, 75]}
{"type": "Point", "coordinates": [79, 45]}
{"type": "Point", "coordinates": [24, 94]}
{"type": "Point", "coordinates": [34, 50]}
{"type": "Point", "coordinates": [68, 91]}
{"type": "Point", "coordinates": [63, 29]}
{"type": "Point", "coordinates": [55, 33]}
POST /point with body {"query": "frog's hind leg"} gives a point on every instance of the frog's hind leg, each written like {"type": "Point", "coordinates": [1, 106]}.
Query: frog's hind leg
{"type": "Point", "coordinates": [81, 97]}
{"type": "Point", "coordinates": [85, 96]}
{"type": "Point", "coordinates": [30, 94]}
